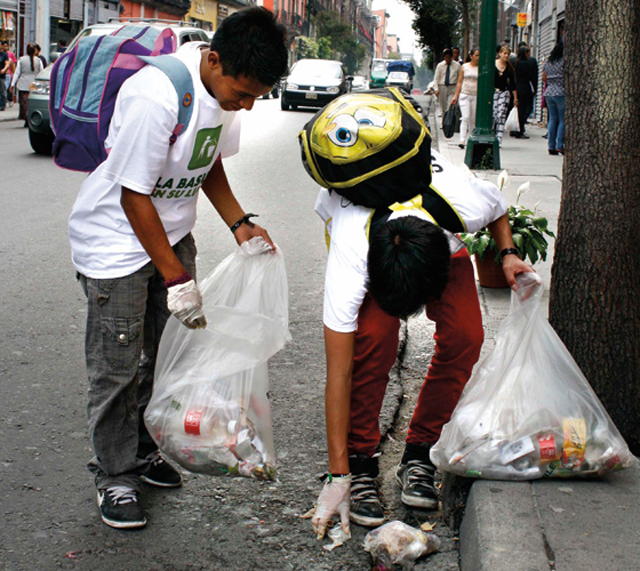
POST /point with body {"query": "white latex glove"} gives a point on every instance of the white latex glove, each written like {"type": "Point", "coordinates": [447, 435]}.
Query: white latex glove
{"type": "Point", "coordinates": [334, 498]}
{"type": "Point", "coordinates": [185, 302]}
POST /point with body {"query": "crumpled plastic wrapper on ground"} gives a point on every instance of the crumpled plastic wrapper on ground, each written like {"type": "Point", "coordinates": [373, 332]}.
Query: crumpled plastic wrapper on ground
{"type": "Point", "coordinates": [396, 543]}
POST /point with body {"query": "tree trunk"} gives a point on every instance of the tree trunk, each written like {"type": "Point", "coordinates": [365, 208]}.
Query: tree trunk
{"type": "Point", "coordinates": [464, 9]}
{"type": "Point", "coordinates": [595, 287]}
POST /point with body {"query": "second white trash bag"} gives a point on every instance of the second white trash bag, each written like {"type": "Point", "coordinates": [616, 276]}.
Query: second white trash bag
{"type": "Point", "coordinates": [528, 412]}
{"type": "Point", "coordinates": [209, 410]}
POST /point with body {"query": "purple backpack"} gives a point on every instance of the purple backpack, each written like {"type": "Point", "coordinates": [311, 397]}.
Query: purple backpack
{"type": "Point", "coordinates": [85, 81]}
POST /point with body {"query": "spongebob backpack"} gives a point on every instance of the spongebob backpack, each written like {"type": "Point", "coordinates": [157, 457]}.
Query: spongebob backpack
{"type": "Point", "coordinates": [372, 147]}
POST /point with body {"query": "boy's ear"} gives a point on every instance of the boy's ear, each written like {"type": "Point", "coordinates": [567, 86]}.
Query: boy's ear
{"type": "Point", "coordinates": [213, 60]}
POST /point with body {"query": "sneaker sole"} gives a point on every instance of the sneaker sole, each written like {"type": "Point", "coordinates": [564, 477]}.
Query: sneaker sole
{"type": "Point", "coordinates": [414, 502]}
{"type": "Point", "coordinates": [121, 524]}
{"type": "Point", "coordinates": [366, 521]}
{"type": "Point", "coordinates": [160, 484]}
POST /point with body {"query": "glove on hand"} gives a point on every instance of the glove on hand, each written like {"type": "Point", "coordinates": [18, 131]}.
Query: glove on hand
{"type": "Point", "coordinates": [334, 498]}
{"type": "Point", "coordinates": [185, 302]}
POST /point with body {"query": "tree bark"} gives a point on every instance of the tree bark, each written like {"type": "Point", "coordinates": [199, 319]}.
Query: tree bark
{"type": "Point", "coordinates": [464, 10]}
{"type": "Point", "coordinates": [595, 286]}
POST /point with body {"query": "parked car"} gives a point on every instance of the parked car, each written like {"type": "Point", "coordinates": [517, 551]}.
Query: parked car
{"type": "Point", "coordinates": [359, 82]}
{"type": "Point", "coordinates": [399, 79]}
{"type": "Point", "coordinates": [314, 83]}
{"type": "Point", "coordinates": [275, 92]}
{"type": "Point", "coordinates": [40, 134]}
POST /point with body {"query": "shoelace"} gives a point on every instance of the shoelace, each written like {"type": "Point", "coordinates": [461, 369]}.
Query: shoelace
{"type": "Point", "coordinates": [420, 473]}
{"type": "Point", "coordinates": [363, 488]}
{"type": "Point", "coordinates": [155, 458]}
{"type": "Point", "coordinates": [122, 495]}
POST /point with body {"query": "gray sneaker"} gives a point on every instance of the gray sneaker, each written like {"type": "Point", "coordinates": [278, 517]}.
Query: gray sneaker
{"type": "Point", "coordinates": [366, 508]}
{"type": "Point", "coordinates": [120, 509]}
{"type": "Point", "coordinates": [416, 478]}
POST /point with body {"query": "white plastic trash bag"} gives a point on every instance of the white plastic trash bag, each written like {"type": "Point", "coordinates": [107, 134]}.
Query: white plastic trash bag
{"type": "Point", "coordinates": [209, 410]}
{"type": "Point", "coordinates": [528, 411]}
{"type": "Point", "coordinates": [512, 124]}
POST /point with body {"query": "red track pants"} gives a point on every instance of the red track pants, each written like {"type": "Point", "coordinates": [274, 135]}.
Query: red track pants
{"type": "Point", "coordinates": [458, 339]}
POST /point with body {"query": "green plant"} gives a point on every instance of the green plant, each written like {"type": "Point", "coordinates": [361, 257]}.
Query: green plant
{"type": "Point", "coordinates": [528, 232]}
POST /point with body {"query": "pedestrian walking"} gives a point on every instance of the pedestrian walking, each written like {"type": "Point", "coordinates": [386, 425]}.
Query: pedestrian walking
{"type": "Point", "coordinates": [42, 58]}
{"type": "Point", "coordinates": [466, 95]}
{"type": "Point", "coordinates": [131, 242]}
{"type": "Point", "coordinates": [504, 89]}
{"type": "Point", "coordinates": [553, 76]}
{"type": "Point", "coordinates": [27, 68]}
{"type": "Point", "coordinates": [446, 79]}
{"type": "Point", "coordinates": [455, 52]}
{"type": "Point", "coordinates": [385, 264]}
{"type": "Point", "coordinates": [526, 84]}
{"type": "Point", "coordinates": [5, 64]}
{"type": "Point", "coordinates": [13, 61]}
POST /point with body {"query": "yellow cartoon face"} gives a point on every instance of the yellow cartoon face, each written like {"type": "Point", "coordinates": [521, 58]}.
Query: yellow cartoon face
{"type": "Point", "coordinates": [355, 126]}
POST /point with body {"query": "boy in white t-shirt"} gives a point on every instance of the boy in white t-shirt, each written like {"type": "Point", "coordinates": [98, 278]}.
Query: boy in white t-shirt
{"type": "Point", "coordinates": [131, 242]}
{"type": "Point", "coordinates": [385, 264]}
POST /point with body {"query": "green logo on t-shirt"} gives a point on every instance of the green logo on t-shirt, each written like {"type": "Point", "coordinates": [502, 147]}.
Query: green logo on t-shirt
{"type": "Point", "coordinates": [204, 148]}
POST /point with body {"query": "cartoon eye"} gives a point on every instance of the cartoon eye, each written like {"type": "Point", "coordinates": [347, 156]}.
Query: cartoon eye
{"type": "Point", "coordinates": [369, 117]}
{"type": "Point", "coordinates": [344, 131]}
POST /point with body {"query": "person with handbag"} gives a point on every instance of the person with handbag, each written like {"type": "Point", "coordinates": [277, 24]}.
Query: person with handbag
{"type": "Point", "coordinates": [505, 86]}
{"type": "Point", "coordinates": [446, 79]}
{"type": "Point", "coordinates": [467, 94]}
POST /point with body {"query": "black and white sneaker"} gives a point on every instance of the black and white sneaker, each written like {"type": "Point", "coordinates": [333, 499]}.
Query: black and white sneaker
{"type": "Point", "coordinates": [160, 473]}
{"type": "Point", "coordinates": [119, 508]}
{"type": "Point", "coordinates": [416, 476]}
{"type": "Point", "coordinates": [366, 508]}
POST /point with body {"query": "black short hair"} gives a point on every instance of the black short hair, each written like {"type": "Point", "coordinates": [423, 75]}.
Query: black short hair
{"type": "Point", "coordinates": [252, 43]}
{"type": "Point", "coordinates": [447, 52]}
{"type": "Point", "coordinates": [408, 263]}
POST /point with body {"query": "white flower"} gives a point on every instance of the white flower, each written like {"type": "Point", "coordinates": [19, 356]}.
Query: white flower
{"type": "Point", "coordinates": [523, 189]}
{"type": "Point", "coordinates": [503, 180]}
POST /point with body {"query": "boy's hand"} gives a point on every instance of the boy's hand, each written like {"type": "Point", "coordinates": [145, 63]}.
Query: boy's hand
{"type": "Point", "coordinates": [512, 265]}
{"type": "Point", "coordinates": [247, 231]}
{"type": "Point", "coordinates": [334, 498]}
{"type": "Point", "coordinates": [185, 302]}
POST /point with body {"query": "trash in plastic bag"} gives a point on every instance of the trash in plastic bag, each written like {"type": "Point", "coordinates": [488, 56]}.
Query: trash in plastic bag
{"type": "Point", "coordinates": [396, 543]}
{"type": "Point", "coordinates": [209, 410]}
{"type": "Point", "coordinates": [528, 412]}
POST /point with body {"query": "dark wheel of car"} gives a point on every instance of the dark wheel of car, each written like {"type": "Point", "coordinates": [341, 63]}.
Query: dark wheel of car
{"type": "Point", "coordinates": [276, 92]}
{"type": "Point", "coordinates": [41, 143]}
{"type": "Point", "coordinates": [294, 107]}
{"type": "Point", "coordinates": [283, 104]}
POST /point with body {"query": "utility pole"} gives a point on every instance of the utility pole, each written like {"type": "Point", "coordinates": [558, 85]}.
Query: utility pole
{"type": "Point", "coordinates": [483, 148]}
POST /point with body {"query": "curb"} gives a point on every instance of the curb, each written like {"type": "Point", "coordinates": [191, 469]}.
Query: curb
{"type": "Point", "coordinates": [500, 530]}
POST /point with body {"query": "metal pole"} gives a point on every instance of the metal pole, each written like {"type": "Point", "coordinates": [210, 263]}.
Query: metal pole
{"type": "Point", "coordinates": [483, 150]}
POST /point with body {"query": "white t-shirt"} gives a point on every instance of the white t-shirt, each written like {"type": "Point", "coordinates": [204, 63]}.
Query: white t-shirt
{"type": "Point", "coordinates": [478, 203]}
{"type": "Point", "coordinates": [103, 244]}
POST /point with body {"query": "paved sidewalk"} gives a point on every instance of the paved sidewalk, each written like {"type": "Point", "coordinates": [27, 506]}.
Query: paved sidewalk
{"type": "Point", "coordinates": [560, 525]}
{"type": "Point", "coordinates": [9, 113]}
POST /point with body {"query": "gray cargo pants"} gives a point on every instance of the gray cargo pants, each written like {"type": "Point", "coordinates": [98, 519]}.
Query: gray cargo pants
{"type": "Point", "coordinates": [125, 320]}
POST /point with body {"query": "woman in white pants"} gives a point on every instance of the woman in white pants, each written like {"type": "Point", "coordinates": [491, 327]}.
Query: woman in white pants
{"type": "Point", "coordinates": [467, 95]}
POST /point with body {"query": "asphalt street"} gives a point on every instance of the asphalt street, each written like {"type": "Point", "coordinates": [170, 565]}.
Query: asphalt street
{"type": "Point", "coordinates": [49, 515]}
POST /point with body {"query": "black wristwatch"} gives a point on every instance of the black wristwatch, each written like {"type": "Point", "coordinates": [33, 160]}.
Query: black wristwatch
{"type": "Point", "coordinates": [508, 251]}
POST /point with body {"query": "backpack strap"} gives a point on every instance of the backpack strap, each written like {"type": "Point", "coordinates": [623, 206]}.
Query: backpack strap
{"type": "Point", "coordinates": [181, 79]}
{"type": "Point", "coordinates": [431, 202]}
